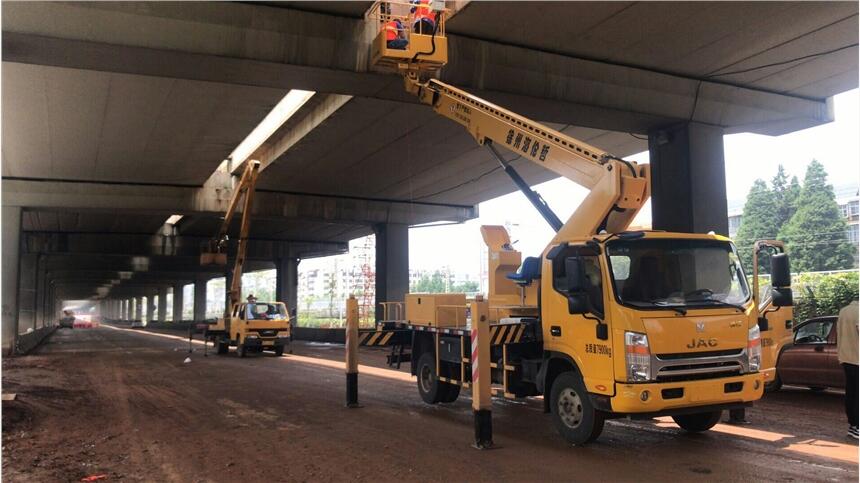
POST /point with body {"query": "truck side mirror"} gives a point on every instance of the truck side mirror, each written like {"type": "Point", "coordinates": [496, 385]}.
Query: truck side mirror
{"type": "Point", "coordinates": [781, 297]}
{"type": "Point", "coordinates": [577, 297]}
{"type": "Point", "coordinates": [577, 303]}
{"type": "Point", "coordinates": [780, 271]}
{"type": "Point", "coordinates": [575, 275]}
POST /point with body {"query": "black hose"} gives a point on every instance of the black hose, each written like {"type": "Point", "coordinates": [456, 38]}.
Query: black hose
{"type": "Point", "coordinates": [432, 39]}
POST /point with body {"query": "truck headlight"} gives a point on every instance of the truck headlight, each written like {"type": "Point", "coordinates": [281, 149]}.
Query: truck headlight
{"type": "Point", "coordinates": [754, 348]}
{"type": "Point", "coordinates": [638, 357]}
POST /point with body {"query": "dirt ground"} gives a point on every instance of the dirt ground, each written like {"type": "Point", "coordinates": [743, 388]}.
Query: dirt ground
{"type": "Point", "coordinates": [123, 404]}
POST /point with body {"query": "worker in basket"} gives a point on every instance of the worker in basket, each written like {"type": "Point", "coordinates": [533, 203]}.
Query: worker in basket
{"type": "Point", "coordinates": [424, 21]}
{"type": "Point", "coordinates": [395, 32]}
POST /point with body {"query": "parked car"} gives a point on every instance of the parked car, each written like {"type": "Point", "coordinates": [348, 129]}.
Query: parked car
{"type": "Point", "coordinates": [136, 324]}
{"type": "Point", "coordinates": [67, 323]}
{"type": "Point", "coordinates": [812, 360]}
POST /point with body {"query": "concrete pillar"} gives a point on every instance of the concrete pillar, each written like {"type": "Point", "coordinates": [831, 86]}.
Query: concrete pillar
{"type": "Point", "coordinates": [41, 290]}
{"type": "Point", "coordinates": [11, 227]}
{"type": "Point", "coordinates": [150, 306]}
{"type": "Point", "coordinates": [162, 304]}
{"type": "Point", "coordinates": [287, 283]}
{"type": "Point", "coordinates": [688, 179]}
{"type": "Point", "coordinates": [392, 264]}
{"type": "Point", "coordinates": [50, 303]}
{"type": "Point", "coordinates": [200, 300]}
{"type": "Point", "coordinates": [27, 281]}
{"type": "Point", "coordinates": [178, 302]}
{"type": "Point", "coordinates": [138, 308]}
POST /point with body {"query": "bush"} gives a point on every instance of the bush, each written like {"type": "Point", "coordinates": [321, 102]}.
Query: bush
{"type": "Point", "coordinates": [819, 294]}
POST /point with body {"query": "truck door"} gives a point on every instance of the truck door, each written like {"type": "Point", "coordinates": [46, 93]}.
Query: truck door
{"type": "Point", "coordinates": [776, 322]}
{"type": "Point", "coordinates": [576, 336]}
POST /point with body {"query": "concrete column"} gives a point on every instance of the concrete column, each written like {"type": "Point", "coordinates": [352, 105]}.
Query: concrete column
{"type": "Point", "coordinates": [178, 302]}
{"type": "Point", "coordinates": [150, 306]}
{"type": "Point", "coordinates": [199, 300]}
{"type": "Point", "coordinates": [392, 264]}
{"type": "Point", "coordinates": [41, 290]}
{"type": "Point", "coordinates": [287, 283]}
{"type": "Point", "coordinates": [138, 308]}
{"type": "Point", "coordinates": [162, 304]}
{"type": "Point", "coordinates": [688, 179]}
{"type": "Point", "coordinates": [50, 303]}
{"type": "Point", "coordinates": [27, 281]}
{"type": "Point", "coordinates": [11, 227]}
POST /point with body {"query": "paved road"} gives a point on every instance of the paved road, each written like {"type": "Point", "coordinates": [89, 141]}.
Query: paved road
{"type": "Point", "coordinates": [122, 403]}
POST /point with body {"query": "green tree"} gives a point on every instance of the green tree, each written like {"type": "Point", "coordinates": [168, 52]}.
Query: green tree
{"type": "Point", "coordinates": [816, 234]}
{"type": "Point", "coordinates": [434, 283]}
{"type": "Point", "coordinates": [785, 193]}
{"type": "Point", "coordinates": [468, 286]}
{"type": "Point", "coordinates": [758, 221]}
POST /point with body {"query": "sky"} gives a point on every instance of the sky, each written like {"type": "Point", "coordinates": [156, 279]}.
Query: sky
{"type": "Point", "coordinates": [748, 156]}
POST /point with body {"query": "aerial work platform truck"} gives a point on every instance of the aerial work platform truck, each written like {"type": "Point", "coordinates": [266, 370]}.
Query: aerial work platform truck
{"type": "Point", "coordinates": [605, 322]}
{"type": "Point", "coordinates": [251, 325]}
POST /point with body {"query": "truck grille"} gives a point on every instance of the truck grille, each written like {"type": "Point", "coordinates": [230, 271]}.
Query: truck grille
{"type": "Point", "coordinates": [705, 365]}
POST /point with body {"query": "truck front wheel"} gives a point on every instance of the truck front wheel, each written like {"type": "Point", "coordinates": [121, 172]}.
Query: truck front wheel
{"type": "Point", "coordinates": [696, 423]}
{"type": "Point", "coordinates": [573, 414]}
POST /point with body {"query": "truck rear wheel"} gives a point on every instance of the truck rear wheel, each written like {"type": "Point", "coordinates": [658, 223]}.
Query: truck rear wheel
{"type": "Point", "coordinates": [431, 389]}
{"type": "Point", "coordinates": [222, 346]}
{"type": "Point", "coordinates": [573, 414]}
{"type": "Point", "coordinates": [696, 423]}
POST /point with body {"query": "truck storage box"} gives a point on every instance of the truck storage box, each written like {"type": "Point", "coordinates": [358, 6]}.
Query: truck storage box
{"type": "Point", "coordinates": [436, 310]}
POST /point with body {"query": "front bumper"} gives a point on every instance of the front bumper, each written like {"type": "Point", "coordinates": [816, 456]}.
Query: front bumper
{"type": "Point", "coordinates": [666, 396]}
{"type": "Point", "coordinates": [263, 343]}
{"type": "Point", "coordinates": [769, 374]}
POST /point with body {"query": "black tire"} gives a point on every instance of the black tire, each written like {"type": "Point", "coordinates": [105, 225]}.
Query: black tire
{"type": "Point", "coordinates": [774, 385]}
{"type": "Point", "coordinates": [241, 351]}
{"type": "Point", "coordinates": [279, 351]}
{"type": "Point", "coordinates": [429, 387]}
{"type": "Point", "coordinates": [698, 422]}
{"type": "Point", "coordinates": [222, 346]}
{"type": "Point", "coordinates": [573, 414]}
{"type": "Point", "coordinates": [817, 388]}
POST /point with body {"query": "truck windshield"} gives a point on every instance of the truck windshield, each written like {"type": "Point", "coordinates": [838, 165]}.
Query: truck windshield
{"type": "Point", "coordinates": [266, 311]}
{"type": "Point", "coordinates": [677, 273]}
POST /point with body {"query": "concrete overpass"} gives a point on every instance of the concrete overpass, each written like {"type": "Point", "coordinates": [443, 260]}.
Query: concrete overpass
{"type": "Point", "coordinates": [117, 115]}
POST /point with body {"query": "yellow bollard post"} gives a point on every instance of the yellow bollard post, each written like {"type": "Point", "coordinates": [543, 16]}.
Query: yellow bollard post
{"type": "Point", "coordinates": [481, 395]}
{"type": "Point", "coordinates": [352, 352]}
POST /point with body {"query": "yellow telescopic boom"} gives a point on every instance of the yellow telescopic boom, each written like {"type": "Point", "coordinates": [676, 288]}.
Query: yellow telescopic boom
{"type": "Point", "coordinates": [216, 252]}
{"type": "Point", "coordinates": [618, 188]}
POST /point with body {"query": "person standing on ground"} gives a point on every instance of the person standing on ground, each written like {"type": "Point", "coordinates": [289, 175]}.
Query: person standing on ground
{"type": "Point", "coordinates": [846, 343]}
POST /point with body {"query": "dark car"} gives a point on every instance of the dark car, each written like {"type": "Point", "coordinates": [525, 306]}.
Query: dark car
{"type": "Point", "coordinates": [812, 360]}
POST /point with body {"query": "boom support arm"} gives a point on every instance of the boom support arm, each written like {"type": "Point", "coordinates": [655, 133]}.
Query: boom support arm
{"type": "Point", "coordinates": [245, 187]}
{"type": "Point", "coordinates": [618, 188]}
